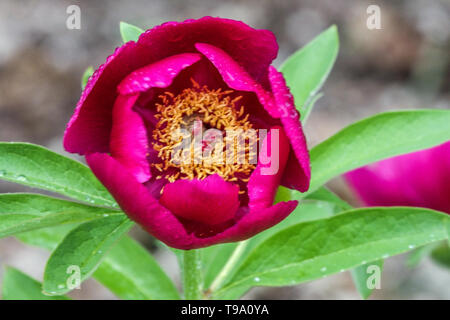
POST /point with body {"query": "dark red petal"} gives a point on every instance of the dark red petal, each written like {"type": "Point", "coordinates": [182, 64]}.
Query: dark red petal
{"type": "Point", "coordinates": [236, 77]}
{"type": "Point", "coordinates": [298, 172]}
{"type": "Point", "coordinates": [159, 74]}
{"type": "Point", "coordinates": [254, 49]}
{"type": "Point", "coordinates": [89, 128]}
{"type": "Point", "coordinates": [210, 201]}
{"type": "Point", "coordinates": [265, 179]}
{"type": "Point", "coordinates": [252, 223]}
{"type": "Point", "coordinates": [137, 202]}
{"type": "Point", "coordinates": [128, 142]}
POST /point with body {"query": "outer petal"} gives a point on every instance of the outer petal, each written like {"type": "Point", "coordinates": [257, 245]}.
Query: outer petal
{"type": "Point", "coordinates": [140, 206]}
{"type": "Point", "coordinates": [253, 49]}
{"type": "Point", "coordinates": [298, 171]}
{"type": "Point", "coordinates": [236, 77]}
{"type": "Point", "coordinates": [128, 142]}
{"type": "Point", "coordinates": [89, 128]}
{"type": "Point", "coordinates": [137, 201]}
{"type": "Point", "coordinates": [159, 74]}
{"type": "Point", "coordinates": [253, 222]}
{"type": "Point", "coordinates": [265, 179]}
{"type": "Point", "coordinates": [210, 201]}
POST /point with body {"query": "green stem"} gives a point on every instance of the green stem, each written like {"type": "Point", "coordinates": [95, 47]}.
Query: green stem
{"type": "Point", "coordinates": [192, 275]}
{"type": "Point", "coordinates": [221, 277]}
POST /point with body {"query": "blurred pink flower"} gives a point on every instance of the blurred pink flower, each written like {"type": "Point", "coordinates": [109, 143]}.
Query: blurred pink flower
{"type": "Point", "coordinates": [419, 179]}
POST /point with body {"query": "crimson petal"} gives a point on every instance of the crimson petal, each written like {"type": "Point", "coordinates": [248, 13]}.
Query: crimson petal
{"type": "Point", "coordinates": [298, 172]}
{"type": "Point", "coordinates": [210, 201]}
{"type": "Point", "coordinates": [140, 206]}
{"type": "Point", "coordinates": [128, 142]}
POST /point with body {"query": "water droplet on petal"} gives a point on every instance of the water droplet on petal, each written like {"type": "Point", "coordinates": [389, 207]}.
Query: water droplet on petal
{"type": "Point", "coordinates": [21, 178]}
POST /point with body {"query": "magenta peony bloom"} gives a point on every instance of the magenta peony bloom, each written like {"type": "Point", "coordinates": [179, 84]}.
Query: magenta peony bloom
{"type": "Point", "coordinates": [197, 74]}
{"type": "Point", "coordinates": [419, 179]}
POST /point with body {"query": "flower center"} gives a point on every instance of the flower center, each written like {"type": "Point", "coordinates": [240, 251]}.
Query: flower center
{"type": "Point", "coordinates": [201, 132]}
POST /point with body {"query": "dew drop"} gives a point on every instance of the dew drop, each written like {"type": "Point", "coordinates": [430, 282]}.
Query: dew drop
{"type": "Point", "coordinates": [257, 279]}
{"type": "Point", "coordinates": [323, 269]}
{"type": "Point", "coordinates": [230, 76]}
{"type": "Point", "coordinates": [411, 246]}
{"type": "Point", "coordinates": [21, 178]}
{"type": "Point", "coordinates": [106, 215]}
{"type": "Point", "coordinates": [384, 256]}
{"type": "Point", "coordinates": [61, 286]}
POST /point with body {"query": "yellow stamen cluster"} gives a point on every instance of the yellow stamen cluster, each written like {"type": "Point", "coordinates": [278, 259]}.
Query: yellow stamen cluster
{"type": "Point", "coordinates": [212, 109]}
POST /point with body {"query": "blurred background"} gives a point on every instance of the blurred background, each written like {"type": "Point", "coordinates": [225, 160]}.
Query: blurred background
{"type": "Point", "coordinates": [405, 64]}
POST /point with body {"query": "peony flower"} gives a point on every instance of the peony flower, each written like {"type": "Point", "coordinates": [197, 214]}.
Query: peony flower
{"type": "Point", "coordinates": [419, 179]}
{"type": "Point", "coordinates": [194, 75]}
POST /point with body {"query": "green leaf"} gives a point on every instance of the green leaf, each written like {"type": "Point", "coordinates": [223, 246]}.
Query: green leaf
{"type": "Point", "coordinates": [129, 32]}
{"type": "Point", "coordinates": [418, 254]}
{"type": "Point", "coordinates": [130, 272]}
{"type": "Point", "coordinates": [214, 258]}
{"type": "Point", "coordinates": [18, 286]}
{"type": "Point", "coordinates": [303, 213]}
{"type": "Point", "coordinates": [83, 248]}
{"type": "Point", "coordinates": [37, 167]}
{"type": "Point", "coordinates": [218, 255]}
{"type": "Point", "coordinates": [441, 255]}
{"type": "Point", "coordinates": [326, 204]}
{"type": "Point", "coordinates": [46, 238]}
{"type": "Point", "coordinates": [315, 249]}
{"type": "Point", "coordinates": [309, 107]}
{"type": "Point", "coordinates": [381, 136]}
{"type": "Point", "coordinates": [86, 75]}
{"type": "Point", "coordinates": [307, 69]}
{"type": "Point", "coordinates": [25, 212]}
{"type": "Point", "coordinates": [323, 194]}
{"type": "Point", "coordinates": [361, 275]}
